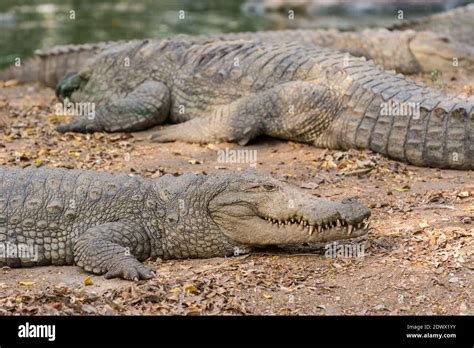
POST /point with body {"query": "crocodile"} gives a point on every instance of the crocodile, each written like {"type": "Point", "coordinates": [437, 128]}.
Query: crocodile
{"type": "Point", "coordinates": [406, 51]}
{"type": "Point", "coordinates": [108, 224]}
{"type": "Point", "coordinates": [235, 91]}
{"type": "Point", "coordinates": [409, 45]}
{"type": "Point", "coordinates": [238, 90]}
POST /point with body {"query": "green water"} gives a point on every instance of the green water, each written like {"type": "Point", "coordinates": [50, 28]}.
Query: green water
{"type": "Point", "coordinates": [27, 25]}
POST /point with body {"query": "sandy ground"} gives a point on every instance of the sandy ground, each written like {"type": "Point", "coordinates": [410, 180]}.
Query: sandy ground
{"type": "Point", "coordinates": [418, 257]}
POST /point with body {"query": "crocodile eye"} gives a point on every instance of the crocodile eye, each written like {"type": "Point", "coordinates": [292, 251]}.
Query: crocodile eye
{"type": "Point", "coordinates": [269, 188]}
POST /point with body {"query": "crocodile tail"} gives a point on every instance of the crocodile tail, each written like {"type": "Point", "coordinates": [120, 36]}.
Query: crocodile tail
{"type": "Point", "coordinates": [50, 66]}
{"type": "Point", "coordinates": [24, 72]}
{"type": "Point", "coordinates": [441, 135]}
{"type": "Point", "coordinates": [406, 121]}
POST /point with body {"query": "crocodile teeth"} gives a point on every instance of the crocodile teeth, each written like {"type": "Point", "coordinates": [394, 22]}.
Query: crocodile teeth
{"type": "Point", "coordinates": [319, 228]}
{"type": "Point", "coordinates": [311, 229]}
{"type": "Point", "coordinates": [349, 229]}
{"type": "Point", "coordinates": [292, 220]}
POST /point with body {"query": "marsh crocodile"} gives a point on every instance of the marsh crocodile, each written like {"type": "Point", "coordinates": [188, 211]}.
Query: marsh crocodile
{"type": "Point", "coordinates": [109, 223]}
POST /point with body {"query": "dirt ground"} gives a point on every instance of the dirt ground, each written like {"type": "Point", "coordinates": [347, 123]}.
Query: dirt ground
{"type": "Point", "coordinates": [418, 257]}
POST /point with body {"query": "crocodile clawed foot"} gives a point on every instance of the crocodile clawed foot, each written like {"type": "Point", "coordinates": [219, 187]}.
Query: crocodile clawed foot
{"type": "Point", "coordinates": [130, 270]}
{"type": "Point", "coordinates": [80, 125]}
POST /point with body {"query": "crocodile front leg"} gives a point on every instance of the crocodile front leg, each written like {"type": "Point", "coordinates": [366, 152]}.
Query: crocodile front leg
{"type": "Point", "coordinates": [114, 249]}
{"type": "Point", "coordinates": [298, 111]}
{"type": "Point", "coordinates": [208, 130]}
{"type": "Point", "coordinates": [146, 106]}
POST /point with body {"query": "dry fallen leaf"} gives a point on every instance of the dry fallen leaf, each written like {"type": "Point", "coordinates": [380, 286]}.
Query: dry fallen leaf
{"type": "Point", "coordinates": [42, 152]}
{"type": "Point", "coordinates": [10, 83]}
{"type": "Point", "coordinates": [401, 189]}
{"type": "Point", "coordinates": [26, 283]}
{"type": "Point", "coordinates": [191, 288]}
{"type": "Point", "coordinates": [423, 224]}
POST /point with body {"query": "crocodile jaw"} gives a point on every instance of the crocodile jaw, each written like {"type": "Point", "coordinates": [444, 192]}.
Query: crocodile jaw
{"type": "Point", "coordinates": [284, 215]}
{"type": "Point", "coordinates": [261, 231]}
{"type": "Point", "coordinates": [300, 230]}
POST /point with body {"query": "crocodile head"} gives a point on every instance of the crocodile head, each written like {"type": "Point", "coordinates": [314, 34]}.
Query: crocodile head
{"type": "Point", "coordinates": [439, 52]}
{"type": "Point", "coordinates": [257, 210]}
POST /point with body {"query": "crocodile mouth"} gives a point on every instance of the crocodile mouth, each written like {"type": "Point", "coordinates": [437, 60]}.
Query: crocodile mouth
{"type": "Point", "coordinates": [340, 226]}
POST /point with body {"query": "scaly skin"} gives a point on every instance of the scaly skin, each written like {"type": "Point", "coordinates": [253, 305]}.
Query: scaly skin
{"type": "Point", "coordinates": [107, 223]}
{"type": "Point", "coordinates": [405, 51]}
{"type": "Point", "coordinates": [305, 94]}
